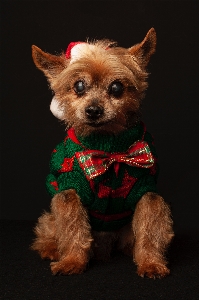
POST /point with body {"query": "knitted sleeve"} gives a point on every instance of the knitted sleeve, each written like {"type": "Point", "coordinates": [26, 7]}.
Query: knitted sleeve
{"type": "Point", "coordinates": [56, 165]}
{"type": "Point", "coordinates": [65, 173]}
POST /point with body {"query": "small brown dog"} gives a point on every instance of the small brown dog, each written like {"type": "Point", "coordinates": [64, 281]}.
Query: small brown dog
{"type": "Point", "coordinates": [103, 174]}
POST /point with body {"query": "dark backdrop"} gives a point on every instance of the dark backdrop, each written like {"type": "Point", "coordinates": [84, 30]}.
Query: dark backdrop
{"type": "Point", "coordinates": [29, 131]}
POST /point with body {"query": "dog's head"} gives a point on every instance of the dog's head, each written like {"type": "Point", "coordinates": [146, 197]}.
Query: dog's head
{"type": "Point", "coordinates": [98, 86]}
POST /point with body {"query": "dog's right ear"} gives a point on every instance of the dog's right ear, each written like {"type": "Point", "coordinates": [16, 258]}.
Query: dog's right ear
{"type": "Point", "coordinates": [146, 48]}
{"type": "Point", "coordinates": [50, 64]}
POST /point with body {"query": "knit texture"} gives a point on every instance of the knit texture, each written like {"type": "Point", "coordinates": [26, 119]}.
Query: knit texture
{"type": "Point", "coordinates": [111, 197]}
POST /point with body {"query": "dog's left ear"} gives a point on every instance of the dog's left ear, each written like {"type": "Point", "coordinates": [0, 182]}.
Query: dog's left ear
{"type": "Point", "coordinates": [146, 48]}
{"type": "Point", "coordinates": [50, 64]}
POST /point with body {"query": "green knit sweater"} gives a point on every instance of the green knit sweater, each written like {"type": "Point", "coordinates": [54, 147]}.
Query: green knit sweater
{"type": "Point", "coordinates": [110, 197]}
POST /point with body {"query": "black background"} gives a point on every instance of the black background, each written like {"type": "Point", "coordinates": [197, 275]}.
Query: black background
{"type": "Point", "coordinates": [29, 131]}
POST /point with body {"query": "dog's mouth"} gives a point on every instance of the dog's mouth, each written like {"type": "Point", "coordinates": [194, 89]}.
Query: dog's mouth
{"type": "Point", "coordinates": [97, 124]}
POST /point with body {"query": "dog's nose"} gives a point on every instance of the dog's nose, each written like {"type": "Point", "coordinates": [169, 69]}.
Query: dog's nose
{"type": "Point", "coordinates": [94, 111]}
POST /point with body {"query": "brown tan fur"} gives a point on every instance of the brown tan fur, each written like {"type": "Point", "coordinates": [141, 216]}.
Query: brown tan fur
{"type": "Point", "coordinates": [64, 235]}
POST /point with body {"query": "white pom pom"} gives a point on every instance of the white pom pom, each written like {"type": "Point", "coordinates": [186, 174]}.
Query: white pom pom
{"type": "Point", "coordinates": [56, 110]}
{"type": "Point", "coordinates": [80, 50]}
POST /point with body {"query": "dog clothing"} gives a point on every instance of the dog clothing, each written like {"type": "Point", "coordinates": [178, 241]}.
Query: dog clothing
{"type": "Point", "coordinates": [109, 173]}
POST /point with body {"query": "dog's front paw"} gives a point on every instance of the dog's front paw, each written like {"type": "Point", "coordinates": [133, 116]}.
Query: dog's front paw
{"type": "Point", "coordinates": [68, 266]}
{"type": "Point", "coordinates": [153, 270]}
{"type": "Point", "coordinates": [52, 255]}
{"type": "Point", "coordinates": [46, 249]}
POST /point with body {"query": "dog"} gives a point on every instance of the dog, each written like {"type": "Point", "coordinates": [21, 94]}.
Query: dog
{"type": "Point", "coordinates": [103, 174]}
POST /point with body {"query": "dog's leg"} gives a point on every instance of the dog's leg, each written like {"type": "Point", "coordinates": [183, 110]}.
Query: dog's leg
{"type": "Point", "coordinates": [73, 233]}
{"type": "Point", "coordinates": [152, 227]}
{"type": "Point", "coordinates": [45, 242]}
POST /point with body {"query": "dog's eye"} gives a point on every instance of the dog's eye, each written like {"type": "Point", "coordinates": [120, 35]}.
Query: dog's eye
{"type": "Point", "coordinates": [116, 89]}
{"type": "Point", "coordinates": [79, 87]}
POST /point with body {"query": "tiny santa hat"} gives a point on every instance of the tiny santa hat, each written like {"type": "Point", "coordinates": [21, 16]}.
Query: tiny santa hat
{"type": "Point", "coordinates": [70, 46]}
{"type": "Point", "coordinates": [76, 50]}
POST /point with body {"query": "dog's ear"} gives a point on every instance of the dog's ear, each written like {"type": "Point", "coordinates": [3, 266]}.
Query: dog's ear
{"type": "Point", "coordinates": [50, 64]}
{"type": "Point", "coordinates": [146, 48]}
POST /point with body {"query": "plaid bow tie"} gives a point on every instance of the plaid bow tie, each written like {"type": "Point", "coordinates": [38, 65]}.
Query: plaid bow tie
{"type": "Point", "coordinates": [95, 163]}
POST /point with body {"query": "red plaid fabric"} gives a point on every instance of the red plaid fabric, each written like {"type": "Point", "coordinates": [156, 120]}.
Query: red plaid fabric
{"type": "Point", "coordinates": [96, 162]}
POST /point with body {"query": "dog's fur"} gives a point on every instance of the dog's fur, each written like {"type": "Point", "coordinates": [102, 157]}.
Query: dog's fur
{"type": "Point", "coordinates": [64, 235]}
